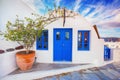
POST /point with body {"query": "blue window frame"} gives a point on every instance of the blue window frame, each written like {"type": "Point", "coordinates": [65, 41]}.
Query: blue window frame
{"type": "Point", "coordinates": [83, 40]}
{"type": "Point", "coordinates": [42, 42]}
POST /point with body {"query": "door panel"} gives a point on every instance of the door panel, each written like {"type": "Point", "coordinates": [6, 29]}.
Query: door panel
{"type": "Point", "coordinates": [57, 45]}
{"type": "Point", "coordinates": [62, 45]}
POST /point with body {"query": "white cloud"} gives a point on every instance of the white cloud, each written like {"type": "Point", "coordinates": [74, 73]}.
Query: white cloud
{"type": "Point", "coordinates": [115, 18]}
{"type": "Point", "coordinates": [102, 11]}
{"type": "Point", "coordinates": [103, 14]}
{"type": "Point", "coordinates": [57, 2]}
{"type": "Point", "coordinates": [30, 3]}
{"type": "Point", "coordinates": [99, 10]}
{"type": "Point", "coordinates": [77, 5]}
{"type": "Point", "coordinates": [39, 4]}
{"type": "Point", "coordinates": [86, 11]}
{"type": "Point", "coordinates": [108, 32]}
{"type": "Point", "coordinates": [36, 5]}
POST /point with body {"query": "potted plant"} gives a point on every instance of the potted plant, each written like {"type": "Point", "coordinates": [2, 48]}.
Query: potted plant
{"type": "Point", "coordinates": [25, 33]}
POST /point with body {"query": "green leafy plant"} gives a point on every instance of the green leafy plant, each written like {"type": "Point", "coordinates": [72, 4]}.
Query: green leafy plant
{"type": "Point", "coordinates": [26, 31]}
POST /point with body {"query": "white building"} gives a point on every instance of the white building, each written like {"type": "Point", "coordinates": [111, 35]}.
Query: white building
{"type": "Point", "coordinates": [75, 42]}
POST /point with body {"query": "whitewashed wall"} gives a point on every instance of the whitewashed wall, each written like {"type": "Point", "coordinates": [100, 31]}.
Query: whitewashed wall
{"type": "Point", "coordinates": [116, 54]}
{"type": "Point", "coordinates": [8, 11]}
{"type": "Point", "coordinates": [10, 8]}
{"type": "Point", "coordinates": [7, 63]}
{"type": "Point", "coordinates": [94, 55]}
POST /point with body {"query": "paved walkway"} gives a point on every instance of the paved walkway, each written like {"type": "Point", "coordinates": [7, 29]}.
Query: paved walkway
{"type": "Point", "coordinates": [108, 72]}
{"type": "Point", "coordinates": [67, 72]}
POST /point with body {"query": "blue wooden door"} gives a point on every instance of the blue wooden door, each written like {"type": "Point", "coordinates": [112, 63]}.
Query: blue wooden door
{"type": "Point", "coordinates": [107, 53]}
{"type": "Point", "coordinates": [62, 45]}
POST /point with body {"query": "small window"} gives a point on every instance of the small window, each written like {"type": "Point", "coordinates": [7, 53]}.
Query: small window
{"type": "Point", "coordinates": [67, 35]}
{"type": "Point", "coordinates": [83, 40]}
{"type": "Point", "coordinates": [42, 41]}
{"type": "Point", "coordinates": [40, 45]}
{"type": "Point", "coordinates": [57, 35]}
{"type": "Point", "coordinates": [45, 39]}
{"type": "Point", "coordinates": [85, 37]}
{"type": "Point", "coordinates": [79, 46]}
{"type": "Point", "coordinates": [45, 45]}
{"type": "Point", "coordinates": [45, 33]}
{"type": "Point", "coordinates": [39, 39]}
{"type": "Point", "coordinates": [79, 36]}
{"type": "Point", "coordinates": [85, 45]}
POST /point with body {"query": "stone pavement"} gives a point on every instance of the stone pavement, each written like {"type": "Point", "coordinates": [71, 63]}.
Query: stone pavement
{"type": "Point", "coordinates": [45, 66]}
{"type": "Point", "coordinates": [40, 70]}
{"type": "Point", "coordinates": [108, 72]}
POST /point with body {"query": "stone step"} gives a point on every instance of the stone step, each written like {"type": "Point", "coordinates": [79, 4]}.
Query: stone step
{"type": "Point", "coordinates": [111, 76]}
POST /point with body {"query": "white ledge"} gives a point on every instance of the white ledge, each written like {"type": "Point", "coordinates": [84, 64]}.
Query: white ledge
{"type": "Point", "coordinates": [41, 74]}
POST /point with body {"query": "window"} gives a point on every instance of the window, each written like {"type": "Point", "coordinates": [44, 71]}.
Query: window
{"type": "Point", "coordinates": [58, 35]}
{"type": "Point", "coordinates": [67, 35]}
{"type": "Point", "coordinates": [83, 40]}
{"type": "Point", "coordinates": [42, 42]}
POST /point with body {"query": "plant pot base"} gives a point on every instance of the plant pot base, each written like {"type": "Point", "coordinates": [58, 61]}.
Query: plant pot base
{"type": "Point", "coordinates": [25, 61]}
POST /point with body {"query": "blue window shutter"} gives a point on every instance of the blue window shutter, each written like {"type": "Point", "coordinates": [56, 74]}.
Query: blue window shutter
{"type": "Point", "coordinates": [42, 42]}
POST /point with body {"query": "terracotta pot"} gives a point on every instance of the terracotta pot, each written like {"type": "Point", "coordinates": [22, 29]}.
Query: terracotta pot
{"type": "Point", "coordinates": [25, 61]}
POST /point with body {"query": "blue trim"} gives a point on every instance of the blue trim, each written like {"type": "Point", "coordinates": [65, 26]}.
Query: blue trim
{"type": "Point", "coordinates": [82, 45]}
{"type": "Point", "coordinates": [42, 42]}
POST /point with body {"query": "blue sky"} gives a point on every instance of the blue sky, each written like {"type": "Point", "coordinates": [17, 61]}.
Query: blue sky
{"type": "Point", "coordinates": [104, 13]}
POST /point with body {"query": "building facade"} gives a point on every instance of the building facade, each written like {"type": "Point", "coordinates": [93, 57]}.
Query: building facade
{"type": "Point", "coordinates": [70, 39]}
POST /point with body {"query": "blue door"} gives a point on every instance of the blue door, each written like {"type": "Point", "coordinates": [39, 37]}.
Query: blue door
{"type": "Point", "coordinates": [62, 45]}
{"type": "Point", "coordinates": [107, 54]}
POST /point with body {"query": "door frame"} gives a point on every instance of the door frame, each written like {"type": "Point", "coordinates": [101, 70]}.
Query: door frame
{"type": "Point", "coordinates": [71, 43]}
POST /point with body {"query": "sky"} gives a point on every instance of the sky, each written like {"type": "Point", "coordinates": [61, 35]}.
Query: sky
{"type": "Point", "coordinates": [103, 13]}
